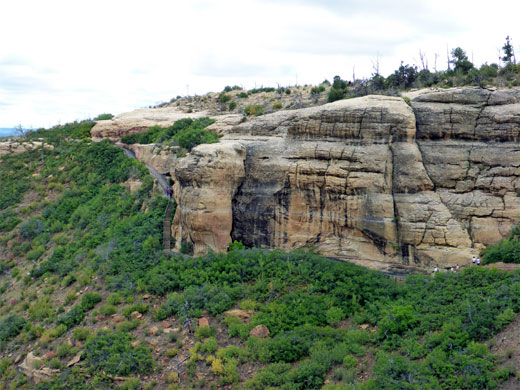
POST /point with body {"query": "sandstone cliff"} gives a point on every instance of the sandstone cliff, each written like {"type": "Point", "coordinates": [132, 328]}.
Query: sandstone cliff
{"type": "Point", "coordinates": [368, 178]}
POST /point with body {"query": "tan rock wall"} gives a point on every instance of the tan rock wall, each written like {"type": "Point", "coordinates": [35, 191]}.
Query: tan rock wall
{"type": "Point", "coordinates": [369, 178]}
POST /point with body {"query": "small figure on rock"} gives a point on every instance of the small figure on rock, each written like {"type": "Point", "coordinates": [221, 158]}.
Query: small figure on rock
{"type": "Point", "coordinates": [169, 192]}
{"type": "Point", "coordinates": [435, 270]}
{"type": "Point", "coordinates": [457, 268]}
{"type": "Point", "coordinates": [474, 260]}
{"type": "Point", "coordinates": [478, 261]}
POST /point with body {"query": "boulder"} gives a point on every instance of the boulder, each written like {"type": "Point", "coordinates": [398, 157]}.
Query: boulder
{"type": "Point", "coordinates": [260, 331]}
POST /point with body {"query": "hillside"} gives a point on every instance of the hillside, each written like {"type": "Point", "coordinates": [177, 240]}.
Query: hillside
{"type": "Point", "coordinates": [90, 300]}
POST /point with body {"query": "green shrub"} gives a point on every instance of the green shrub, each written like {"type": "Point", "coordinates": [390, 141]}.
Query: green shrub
{"type": "Point", "coordinates": [103, 117]}
{"type": "Point", "coordinates": [72, 318]}
{"type": "Point", "coordinates": [31, 228]}
{"type": "Point", "coordinates": [209, 346]}
{"type": "Point", "coordinates": [41, 309]}
{"type": "Point", "coordinates": [232, 106]}
{"type": "Point", "coordinates": [223, 98]}
{"type": "Point", "coordinates": [186, 247]}
{"type": "Point", "coordinates": [334, 315]}
{"type": "Point", "coordinates": [335, 94]}
{"type": "Point", "coordinates": [127, 326]}
{"type": "Point", "coordinates": [89, 300]}
{"type": "Point", "coordinates": [107, 310]}
{"type": "Point", "coordinates": [64, 350]}
{"type": "Point", "coordinates": [255, 110]}
{"type": "Point", "coordinates": [203, 332]}
{"type": "Point", "coordinates": [172, 352]}
{"type": "Point", "coordinates": [507, 250]}
{"type": "Point", "coordinates": [236, 328]}
{"type": "Point", "coordinates": [114, 299]}
{"type": "Point", "coordinates": [350, 361]}
{"type": "Point", "coordinates": [11, 327]}
{"type": "Point", "coordinates": [8, 220]}
{"type": "Point", "coordinates": [35, 253]}
{"type": "Point", "coordinates": [113, 353]}
{"type": "Point", "coordinates": [139, 307]}
{"type": "Point", "coordinates": [82, 334]}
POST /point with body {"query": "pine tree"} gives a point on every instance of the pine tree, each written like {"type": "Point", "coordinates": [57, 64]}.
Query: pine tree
{"type": "Point", "coordinates": [509, 53]}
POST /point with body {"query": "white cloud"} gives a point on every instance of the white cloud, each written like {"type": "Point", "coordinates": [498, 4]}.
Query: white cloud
{"type": "Point", "coordinates": [68, 60]}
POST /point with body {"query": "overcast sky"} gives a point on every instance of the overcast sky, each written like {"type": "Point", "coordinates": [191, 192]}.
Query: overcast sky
{"type": "Point", "coordinates": [67, 60]}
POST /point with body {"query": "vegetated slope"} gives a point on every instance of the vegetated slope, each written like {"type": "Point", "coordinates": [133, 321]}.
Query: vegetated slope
{"type": "Point", "coordinates": [506, 344]}
{"type": "Point", "coordinates": [86, 291]}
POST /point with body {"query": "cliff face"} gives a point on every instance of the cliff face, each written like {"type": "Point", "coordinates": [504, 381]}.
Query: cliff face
{"type": "Point", "coordinates": [369, 178]}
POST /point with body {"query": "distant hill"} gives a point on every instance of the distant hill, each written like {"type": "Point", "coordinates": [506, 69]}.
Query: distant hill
{"type": "Point", "coordinates": [6, 131]}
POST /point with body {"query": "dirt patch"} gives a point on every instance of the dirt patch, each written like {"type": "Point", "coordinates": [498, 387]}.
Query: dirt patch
{"type": "Point", "coordinates": [506, 345]}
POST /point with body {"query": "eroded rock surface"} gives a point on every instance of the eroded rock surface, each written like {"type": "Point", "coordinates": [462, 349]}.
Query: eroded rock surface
{"type": "Point", "coordinates": [14, 146]}
{"type": "Point", "coordinates": [368, 178]}
{"type": "Point", "coordinates": [205, 186]}
{"type": "Point", "coordinates": [159, 157]}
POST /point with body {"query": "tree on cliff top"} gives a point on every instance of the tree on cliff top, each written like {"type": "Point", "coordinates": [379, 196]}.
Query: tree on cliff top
{"type": "Point", "coordinates": [460, 60]}
{"type": "Point", "coordinates": [509, 53]}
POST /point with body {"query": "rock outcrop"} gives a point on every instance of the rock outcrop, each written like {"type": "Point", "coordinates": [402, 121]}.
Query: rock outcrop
{"type": "Point", "coordinates": [139, 120]}
{"type": "Point", "coordinates": [14, 146]}
{"type": "Point", "coordinates": [206, 184]}
{"type": "Point", "coordinates": [159, 157]}
{"type": "Point", "coordinates": [369, 178]}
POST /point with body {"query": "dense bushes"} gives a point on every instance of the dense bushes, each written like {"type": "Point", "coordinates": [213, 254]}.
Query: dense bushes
{"type": "Point", "coordinates": [186, 133]}
{"type": "Point", "coordinates": [337, 90]}
{"type": "Point", "coordinates": [13, 180]}
{"type": "Point", "coordinates": [8, 220]}
{"type": "Point", "coordinates": [255, 110]}
{"type": "Point", "coordinates": [72, 130]}
{"type": "Point", "coordinates": [103, 117]}
{"type": "Point", "coordinates": [113, 353]}
{"type": "Point", "coordinates": [10, 327]}
{"type": "Point", "coordinates": [506, 251]}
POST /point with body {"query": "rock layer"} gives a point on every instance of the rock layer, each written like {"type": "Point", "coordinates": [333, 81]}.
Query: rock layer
{"type": "Point", "coordinates": [16, 147]}
{"type": "Point", "coordinates": [369, 178]}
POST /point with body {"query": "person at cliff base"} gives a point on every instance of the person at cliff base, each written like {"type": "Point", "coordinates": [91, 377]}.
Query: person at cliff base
{"type": "Point", "coordinates": [478, 261]}
{"type": "Point", "coordinates": [457, 268]}
{"type": "Point", "coordinates": [474, 260]}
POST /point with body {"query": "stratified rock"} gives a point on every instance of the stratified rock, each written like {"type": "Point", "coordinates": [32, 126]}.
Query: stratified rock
{"type": "Point", "coordinates": [369, 178]}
